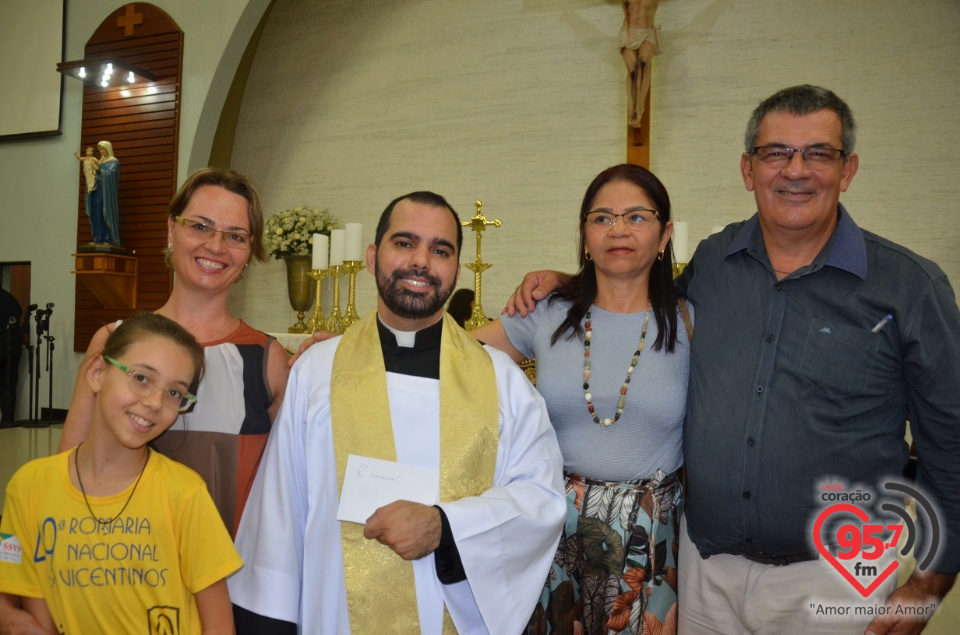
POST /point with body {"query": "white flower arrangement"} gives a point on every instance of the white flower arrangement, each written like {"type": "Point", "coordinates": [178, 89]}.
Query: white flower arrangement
{"type": "Point", "coordinates": [290, 232]}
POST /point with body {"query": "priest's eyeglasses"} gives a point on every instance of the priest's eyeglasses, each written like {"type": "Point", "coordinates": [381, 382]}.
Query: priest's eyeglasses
{"type": "Point", "coordinates": [204, 231]}
{"type": "Point", "coordinates": [145, 385]}
{"type": "Point", "coordinates": [816, 157]}
{"type": "Point", "coordinates": [634, 218]}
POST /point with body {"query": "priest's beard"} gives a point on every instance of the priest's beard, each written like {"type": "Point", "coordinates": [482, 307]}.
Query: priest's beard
{"type": "Point", "coordinates": [407, 304]}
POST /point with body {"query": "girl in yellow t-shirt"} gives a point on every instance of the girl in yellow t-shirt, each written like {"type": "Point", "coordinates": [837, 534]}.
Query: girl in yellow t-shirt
{"type": "Point", "coordinates": [111, 536]}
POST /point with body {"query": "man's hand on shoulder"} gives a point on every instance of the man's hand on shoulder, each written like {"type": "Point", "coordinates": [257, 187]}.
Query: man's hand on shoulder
{"type": "Point", "coordinates": [536, 286]}
{"type": "Point", "coordinates": [319, 336]}
{"type": "Point", "coordinates": [412, 530]}
{"type": "Point", "coordinates": [919, 591]}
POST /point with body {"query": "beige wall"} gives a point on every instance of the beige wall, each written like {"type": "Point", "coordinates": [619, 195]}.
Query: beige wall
{"type": "Point", "coordinates": [894, 64]}
{"type": "Point", "coordinates": [520, 103]}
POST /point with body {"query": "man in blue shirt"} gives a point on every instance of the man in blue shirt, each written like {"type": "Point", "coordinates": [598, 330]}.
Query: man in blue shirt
{"type": "Point", "coordinates": [799, 379]}
{"type": "Point", "coordinates": [815, 340]}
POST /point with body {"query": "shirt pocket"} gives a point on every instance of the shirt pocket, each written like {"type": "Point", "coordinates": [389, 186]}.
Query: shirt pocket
{"type": "Point", "coordinates": [839, 359]}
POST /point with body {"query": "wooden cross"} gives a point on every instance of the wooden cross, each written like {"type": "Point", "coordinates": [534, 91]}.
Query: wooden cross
{"type": "Point", "coordinates": [638, 139]}
{"type": "Point", "coordinates": [639, 43]}
{"type": "Point", "coordinates": [129, 20]}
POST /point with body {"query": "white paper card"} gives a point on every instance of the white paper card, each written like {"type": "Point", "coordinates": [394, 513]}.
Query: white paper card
{"type": "Point", "coordinates": [369, 484]}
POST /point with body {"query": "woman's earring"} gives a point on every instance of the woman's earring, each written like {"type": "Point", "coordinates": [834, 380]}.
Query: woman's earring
{"type": "Point", "coordinates": [660, 255]}
{"type": "Point", "coordinates": [586, 254]}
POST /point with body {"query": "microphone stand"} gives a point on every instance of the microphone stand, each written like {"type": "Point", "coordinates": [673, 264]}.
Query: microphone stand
{"type": "Point", "coordinates": [30, 309]}
{"type": "Point", "coordinates": [9, 363]}
{"type": "Point", "coordinates": [43, 326]}
{"type": "Point", "coordinates": [49, 338]}
{"type": "Point", "coordinates": [35, 413]}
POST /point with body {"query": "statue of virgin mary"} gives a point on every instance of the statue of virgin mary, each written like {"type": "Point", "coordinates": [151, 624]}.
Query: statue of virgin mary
{"type": "Point", "coordinates": [108, 182]}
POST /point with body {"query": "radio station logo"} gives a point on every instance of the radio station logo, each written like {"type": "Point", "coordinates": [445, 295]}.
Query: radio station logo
{"type": "Point", "coordinates": [862, 547]}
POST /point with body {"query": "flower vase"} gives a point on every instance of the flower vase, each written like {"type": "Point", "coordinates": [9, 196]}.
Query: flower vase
{"type": "Point", "coordinates": [299, 289]}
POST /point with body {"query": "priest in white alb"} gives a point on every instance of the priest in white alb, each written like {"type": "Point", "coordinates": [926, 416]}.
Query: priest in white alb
{"type": "Point", "coordinates": [408, 386]}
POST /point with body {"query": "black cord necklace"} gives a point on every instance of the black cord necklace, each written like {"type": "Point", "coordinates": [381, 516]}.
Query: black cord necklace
{"type": "Point", "coordinates": [106, 522]}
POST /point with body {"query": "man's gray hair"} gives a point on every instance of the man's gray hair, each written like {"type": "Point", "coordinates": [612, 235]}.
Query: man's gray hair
{"type": "Point", "coordinates": [803, 100]}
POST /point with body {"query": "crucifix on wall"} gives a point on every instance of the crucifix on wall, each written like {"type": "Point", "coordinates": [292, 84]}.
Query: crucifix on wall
{"type": "Point", "coordinates": [639, 42]}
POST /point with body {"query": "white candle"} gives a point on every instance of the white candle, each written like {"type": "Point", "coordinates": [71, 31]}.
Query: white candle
{"type": "Point", "coordinates": [321, 243]}
{"type": "Point", "coordinates": [354, 246]}
{"type": "Point", "coordinates": [680, 252]}
{"type": "Point", "coordinates": [337, 238]}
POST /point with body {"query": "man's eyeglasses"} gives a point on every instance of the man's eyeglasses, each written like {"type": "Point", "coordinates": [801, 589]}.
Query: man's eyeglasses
{"type": "Point", "coordinates": [816, 157]}
{"type": "Point", "coordinates": [145, 385]}
{"type": "Point", "coordinates": [635, 218]}
{"type": "Point", "coordinates": [203, 231]}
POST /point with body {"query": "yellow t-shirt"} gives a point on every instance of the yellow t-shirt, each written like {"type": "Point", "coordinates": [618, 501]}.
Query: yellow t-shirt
{"type": "Point", "coordinates": [136, 575]}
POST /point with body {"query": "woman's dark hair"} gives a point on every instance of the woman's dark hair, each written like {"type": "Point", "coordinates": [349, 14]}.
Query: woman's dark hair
{"type": "Point", "coordinates": [581, 289]}
{"type": "Point", "coordinates": [460, 305]}
{"type": "Point", "coordinates": [133, 329]}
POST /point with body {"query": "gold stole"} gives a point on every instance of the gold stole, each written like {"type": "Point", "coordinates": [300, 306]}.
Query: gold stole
{"type": "Point", "coordinates": [381, 596]}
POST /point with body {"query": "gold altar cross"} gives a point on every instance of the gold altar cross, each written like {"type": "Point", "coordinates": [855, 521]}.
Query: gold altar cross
{"type": "Point", "coordinates": [478, 224]}
{"type": "Point", "coordinates": [129, 20]}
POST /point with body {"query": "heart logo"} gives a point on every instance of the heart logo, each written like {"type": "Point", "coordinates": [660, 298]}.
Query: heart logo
{"type": "Point", "coordinates": [862, 515]}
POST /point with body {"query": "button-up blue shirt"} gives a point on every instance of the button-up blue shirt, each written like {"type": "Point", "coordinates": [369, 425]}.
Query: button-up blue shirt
{"type": "Point", "coordinates": [791, 388]}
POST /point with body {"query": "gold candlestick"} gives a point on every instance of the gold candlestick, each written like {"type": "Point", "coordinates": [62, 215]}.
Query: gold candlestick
{"type": "Point", "coordinates": [317, 320]}
{"type": "Point", "coordinates": [478, 224]}
{"type": "Point", "coordinates": [351, 267]}
{"type": "Point", "coordinates": [334, 323]}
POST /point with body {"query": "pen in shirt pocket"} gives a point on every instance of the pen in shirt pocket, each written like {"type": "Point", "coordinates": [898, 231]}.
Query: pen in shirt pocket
{"type": "Point", "coordinates": [882, 323]}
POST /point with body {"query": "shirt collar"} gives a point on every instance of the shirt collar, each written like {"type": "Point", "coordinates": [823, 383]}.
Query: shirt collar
{"type": "Point", "coordinates": [846, 249]}
{"type": "Point", "coordinates": [391, 338]}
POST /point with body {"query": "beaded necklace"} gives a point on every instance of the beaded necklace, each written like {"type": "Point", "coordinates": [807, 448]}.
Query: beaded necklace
{"type": "Point", "coordinates": [106, 522]}
{"type": "Point", "coordinates": [623, 389]}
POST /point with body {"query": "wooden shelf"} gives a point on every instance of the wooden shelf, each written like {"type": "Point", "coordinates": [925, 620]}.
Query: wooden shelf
{"type": "Point", "coordinates": [112, 279]}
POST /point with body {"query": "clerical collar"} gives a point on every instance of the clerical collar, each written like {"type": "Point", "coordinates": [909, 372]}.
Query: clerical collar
{"type": "Point", "coordinates": [414, 353]}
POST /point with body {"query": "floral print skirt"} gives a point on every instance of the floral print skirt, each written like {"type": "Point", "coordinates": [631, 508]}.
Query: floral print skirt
{"type": "Point", "coordinates": [615, 570]}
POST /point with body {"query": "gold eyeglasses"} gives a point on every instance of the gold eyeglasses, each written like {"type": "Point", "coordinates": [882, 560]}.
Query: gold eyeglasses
{"type": "Point", "coordinates": [204, 231]}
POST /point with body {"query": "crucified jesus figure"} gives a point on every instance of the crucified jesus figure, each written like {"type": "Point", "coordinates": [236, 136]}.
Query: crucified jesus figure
{"type": "Point", "coordinates": [639, 42]}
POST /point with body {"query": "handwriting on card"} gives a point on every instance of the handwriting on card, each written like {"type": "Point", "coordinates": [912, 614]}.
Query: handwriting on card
{"type": "Point", "coordinates": [369, 484]}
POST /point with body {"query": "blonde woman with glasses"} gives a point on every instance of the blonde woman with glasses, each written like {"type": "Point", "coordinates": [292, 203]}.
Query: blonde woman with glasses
{"type": "Point", "coordinates": [214, 230]}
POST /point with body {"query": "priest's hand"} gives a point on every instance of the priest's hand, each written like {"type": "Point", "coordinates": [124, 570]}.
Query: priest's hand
{"type": "Point", "coordinates": [319, 336]}
{"type": "Point", "coordinates": [412, 530]}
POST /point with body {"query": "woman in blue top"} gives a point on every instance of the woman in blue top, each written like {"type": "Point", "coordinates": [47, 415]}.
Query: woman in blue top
{"type": "Point", "coordinates": [612, 366]}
